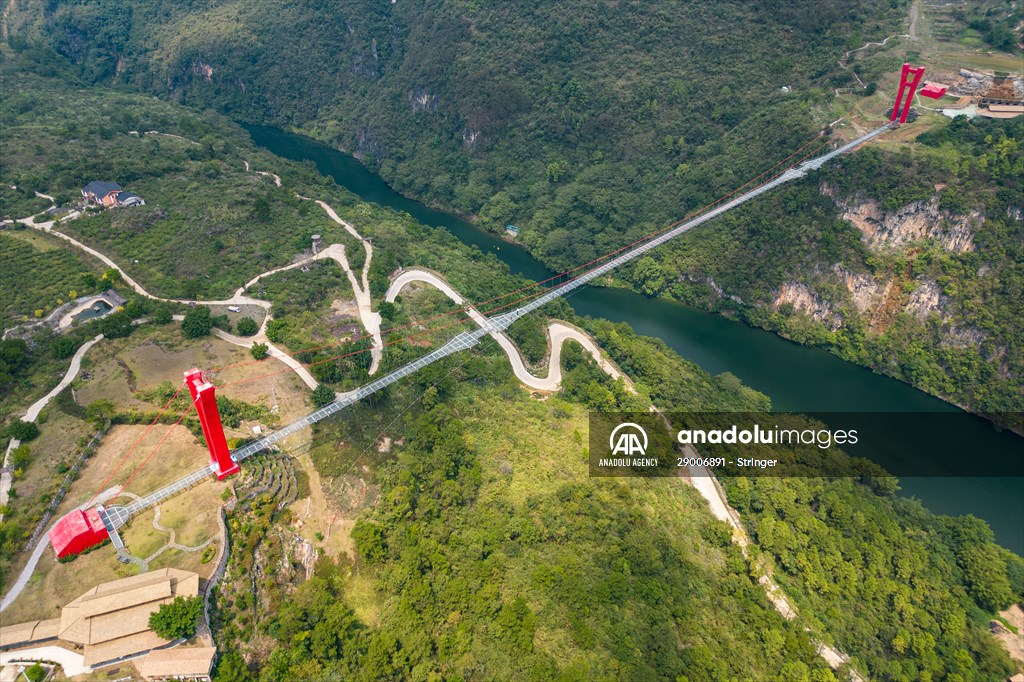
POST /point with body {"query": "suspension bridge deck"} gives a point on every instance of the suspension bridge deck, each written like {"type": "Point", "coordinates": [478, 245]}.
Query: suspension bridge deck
{"type": "Point", "coordinates": [116, 516]}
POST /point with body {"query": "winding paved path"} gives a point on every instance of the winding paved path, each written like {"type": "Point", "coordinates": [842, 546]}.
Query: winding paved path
{"type": "Point", "coordinates": [360, 289]}
{"type": "Point", "coordinates": [558, 334]}
{"type": "Point", "coordinates": [7, 478]}
{"type": "Point", "coordinates": [41, 545]}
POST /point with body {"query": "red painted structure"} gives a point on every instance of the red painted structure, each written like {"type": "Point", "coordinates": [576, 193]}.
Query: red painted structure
{"type": "Point", "coordinates": [933, 91]}
{"type": "Point", "coordinates": [77, 532]}
{"type": "Point", "coordinates": [910, 78]}
{"type": "Point", "coordinates": [213, 431]}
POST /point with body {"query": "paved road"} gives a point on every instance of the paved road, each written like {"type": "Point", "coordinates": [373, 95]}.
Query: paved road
{"type": "Point", "coordinates": [361, 289]}
{"type": "Point", "coordinates": [37, 552]}
{"type": "Point", "coordinates": [7, 478]}
{"type": "Point", "coordinates": [73, 664]}
{"type": "Point", "coordinates": [558, 334]}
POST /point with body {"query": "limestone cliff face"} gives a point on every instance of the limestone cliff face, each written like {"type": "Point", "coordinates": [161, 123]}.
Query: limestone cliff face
{"type": "Point", "coordinates": [920, 220]}
{"type": "Point", "coordinates": [877, 301]}
{"type": "Point", "coordinates": [800, 297]}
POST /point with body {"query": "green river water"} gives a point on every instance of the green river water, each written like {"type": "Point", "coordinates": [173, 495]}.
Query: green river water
{"type": "Point", "coordinates": [794, 377]}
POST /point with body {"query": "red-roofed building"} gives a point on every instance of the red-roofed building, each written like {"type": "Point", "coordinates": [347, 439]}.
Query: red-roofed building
{"type": "Point", "coordinates": [933, 90]}
{"type": "Point", "coordinates": [77, 532]}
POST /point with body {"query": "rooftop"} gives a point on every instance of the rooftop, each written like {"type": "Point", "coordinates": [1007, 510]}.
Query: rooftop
{"type": "Point", "coordinates": [194, 662]}
{"type": "Point", "coordinates": [101, 188]}
{"type": "Point", "coordinates": [32, 631]}
{"type": "Point", "coordinates": [112, 619]}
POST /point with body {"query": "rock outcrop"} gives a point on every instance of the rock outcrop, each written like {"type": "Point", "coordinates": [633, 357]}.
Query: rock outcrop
{"type": "Point", "coordinates": [803, 299]}
{"type": "Point", "coordinates": [916, 221]}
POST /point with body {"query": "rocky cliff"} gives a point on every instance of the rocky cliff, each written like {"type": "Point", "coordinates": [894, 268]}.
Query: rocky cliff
{"type": "Point", "coordinates": [880, 298]}
{"type": "Point", "coordinates": [919, 220]}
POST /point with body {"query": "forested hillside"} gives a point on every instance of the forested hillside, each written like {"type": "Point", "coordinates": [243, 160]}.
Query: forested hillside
{"type": "Point", "coordinates": [596, 120]}
{"type": "Point", "coordinates": [588, 125]}
{"type": "Point", "coordinates": [489, 553]}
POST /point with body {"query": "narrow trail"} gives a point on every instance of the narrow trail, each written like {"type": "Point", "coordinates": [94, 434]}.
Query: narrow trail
{"type": "Point", "coordinates": [172, 540]}
{"type": "Point", "coordinates": [704, 481]}
{"type": "Point", "coordinates": [844, 61]}
{"type": "Point", "coordinates": [557, 332]}
{"type": "Point", "coordinates": [361, 287]}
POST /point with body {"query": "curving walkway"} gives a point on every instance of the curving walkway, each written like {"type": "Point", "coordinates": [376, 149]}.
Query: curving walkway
{"type": "Point", "coordinates": [37, 552]}
{"type": "Point", "coordinates": [360, 289]}
{"type": "Point", "coordinates": [172, 542]}
{"type": "Point", "coordinates": [73, 663]}
{"type": "Point", "coordinates": [558, 334]}
{"type": "Point", "coordinates": [7, 477]}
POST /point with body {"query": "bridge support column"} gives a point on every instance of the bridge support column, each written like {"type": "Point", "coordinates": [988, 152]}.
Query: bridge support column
{"type": "Point", "coordinates": [910, 78]}
{"type": "Point", "coordinates": [213, 431]}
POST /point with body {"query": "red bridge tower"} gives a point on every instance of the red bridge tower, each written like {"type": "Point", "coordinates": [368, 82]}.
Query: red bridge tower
{"type": "Point", "coordinates": [910, 78]}
{"type": "Point", "coordinates": [213, 431]}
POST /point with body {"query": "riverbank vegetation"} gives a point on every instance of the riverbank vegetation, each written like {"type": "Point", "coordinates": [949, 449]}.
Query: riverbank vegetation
{"type": "Point", "coordinates": [907, 592]}
{"type": "Point", "coordinates": [866, 295]}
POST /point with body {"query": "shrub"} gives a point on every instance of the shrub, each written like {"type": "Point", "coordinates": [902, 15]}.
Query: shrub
{"type": "Point", "coordinates": [323, 395]}
{"type": "Point", "coordinates": [259, 351]}
{"type": "Point", "coordinates": [63, 347]}
{"type": "Point", "coordinates": [36, 672]}
{"type": "Point", "coordinates": [197, 322]}
{"type": "Point", "coordinates": [222, 322]}
{"type": "Point", "coordinates": [161, 315]}
{"type": "Point", "coordinates": [23, 431]}
{"type": "Point", "coordinates": [247, 326]}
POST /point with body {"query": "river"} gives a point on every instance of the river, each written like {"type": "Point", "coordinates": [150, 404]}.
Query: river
{"type": "Point", "coordinates": [794, 377]}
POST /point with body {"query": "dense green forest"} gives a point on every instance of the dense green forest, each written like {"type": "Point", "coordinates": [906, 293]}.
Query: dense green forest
{"type": "Point", "coordinates": [599, 122]}
{"type": "Point", "coordinates": [498, 560]}
{"type": "Point", "coordinates": [489, 553]}
{"type": "Point", "coordinates": [905, 591]}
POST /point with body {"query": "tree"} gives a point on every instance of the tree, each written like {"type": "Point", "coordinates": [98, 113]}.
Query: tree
{"type": "Point", "coordinates": [116, 326]}
{"type": "Point", "coordinates": [647, 275]}
{"type": "Point", "coordinates": [261, 210]}
{"type": "Point", "coordinates": [110, 277]}
{"type": "Point", "coordinates": [323, 395]}
{"type": "Point", "coordinates": [99, 411]}
{"type": "Point", "coordinates": [23, 431]}
{"type": "Point", "coordinates": [985, 575]}
{"type": "Point", "coordinates": [161, 315]}
{"type": "Point", "coordinates": [369, 539]}
{"type": "Point", "coordinates": [247, 327]}
{"type": "Point", "coordinates": [63, 347]}
{"type": "Point", "coordinates": [231, 668]}
{"type": "Point", "coordinates": [177, 619]}
{"type": "Point", "coordinates": [259, 351]}
{"type": "Point", "coordinates": [36, 672]}
{"type": "Point", "coordinates": [197, 322]}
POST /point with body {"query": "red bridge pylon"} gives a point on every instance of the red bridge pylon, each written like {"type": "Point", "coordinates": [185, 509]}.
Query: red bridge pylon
{"type": "Point", "coordinates": [209, 417]}
{"type": "Point", "coordinates": [906, 84]}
